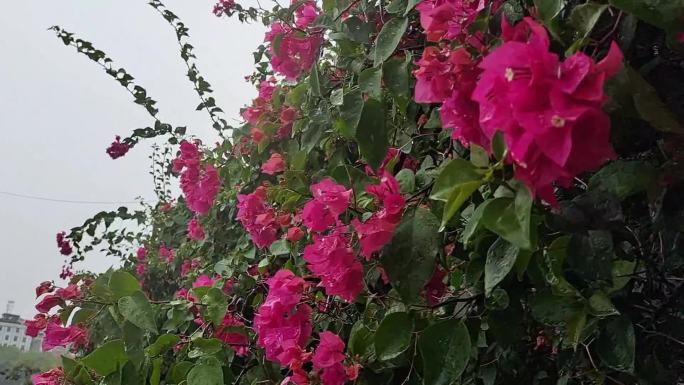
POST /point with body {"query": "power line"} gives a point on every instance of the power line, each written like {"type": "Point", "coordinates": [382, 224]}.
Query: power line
{"type": "Point", "coordinates": [38, 198]}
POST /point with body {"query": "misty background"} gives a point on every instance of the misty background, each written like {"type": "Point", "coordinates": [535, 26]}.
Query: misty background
{"type": "Point", "coordinates": [60, 111]}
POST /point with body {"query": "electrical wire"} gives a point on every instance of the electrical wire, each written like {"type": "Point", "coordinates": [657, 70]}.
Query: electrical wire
{"type": "Point", "coordinates": [38, 198]}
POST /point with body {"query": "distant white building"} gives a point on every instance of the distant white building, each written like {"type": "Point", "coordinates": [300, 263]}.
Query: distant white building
{"type": "Point", "coordinates": [13, 330]}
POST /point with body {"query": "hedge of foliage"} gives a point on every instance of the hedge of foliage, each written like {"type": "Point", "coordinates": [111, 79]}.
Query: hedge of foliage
{"type": "Point", "coordinates": [424, 192]}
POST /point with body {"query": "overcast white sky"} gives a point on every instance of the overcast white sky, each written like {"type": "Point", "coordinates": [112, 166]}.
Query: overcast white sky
{"type": "Point", "coordinates": [59, 111]}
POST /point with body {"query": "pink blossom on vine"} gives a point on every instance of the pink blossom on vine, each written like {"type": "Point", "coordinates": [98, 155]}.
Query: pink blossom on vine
{"type": "Point", "coordinates": [44, 287]}
{"type": "Point", "coordinates": [294, 234]}
{"type": "Point", "coordinates": [195, 231]}
{"type": "Point", "coordinates": [68, 293]}
{"type": "Point", "coordinates": [274, 165]}
{"type": "Point", "coordinates": [36, 325]}
{"type": "Point", "coordinates": [63, 244]}
{"type": "Point", "coordinates": [288, 115]}
{"type": "Point", "coordinates": [377, 231]}
{"type": "Point", "coordinates": [117, 149]}
{"type": "Point", "coordinates": [267, 87]}
{"type": "Point", "coordinates": [166, 254]}
{"type": "Point", "coordinates": [140, 269]}
{"type": "Point", "coordinates": [329, 357]}
{"type": "Point", "coordinates": [53, 376]}
{"type": "Point", "coordinates": [545, 107]}
{"type": "Point", "coordinates": [258, 218]}
{"type": "Point", "coordinates": [57, 335]}
{"type": "Point", "coordinates": [141, 253]}
{"type": "Point", "coordinates": [223, 7]}
{"type": "Point", "coordinates": [316, 216]}
{"type": "Point", "coordinates": [238, 341]}
{"type": "Point", "coordinates": [283, 326]}
{"type": "Point", "coordinates": [296, 52]}
{"type": "Point", "coordinates": [305, 14]}
{"type": "Point", "coordinates": [203, 280]}
{"type": "Point", "coordinates": [48, 302]}
{"type": "Point", "coordinates": [257, 135]}
{"type": "Point", "coordinates": [449, 19]}
{"type": "Point", "coordinates": [332, 260]}
{"type": "Point", "coordinates": [199, 184]}
{"type": "Point", "coordinates": [334, 196]}
{"type": "Point", "coordinates": [436, 288]}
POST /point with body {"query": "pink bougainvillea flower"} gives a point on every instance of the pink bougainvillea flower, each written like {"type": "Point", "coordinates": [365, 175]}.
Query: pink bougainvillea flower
{"type": "Point", "coordinates": [296, 52]}
{"type": "Point", "coordinates": [328, 358]}
{"type": "Point", "coordinates": [332, 260]}
{"type": "Point", "coordinates": [257, 135]}
{"type": "Point", "coordinates": [274, 165]}
{"type": "Point", "coordinates": [335, 196]}
{"type": "Point", "coordinates": [316, 216]}
{"type": "Point", "coordinates": [63, 245]}
{"type": "Point", "coordinates": [53, 376]}
{"type": "Point", "coordinates": [258, 218]}
{"type": "Point", "coordinates": [195, 231]}
{"type": "Point", "coordinates": [117, 149]}
{"type": "Point", "coordinates": [36, 325]}
{"type": "Point", "coordinates": [238, 341]}
{"type": "Point", "coordinates": [199, 184]}
{"type": "Point", "coordinates": [48, 302]}
{"type": "Point", "coordinates": [203, 280]}
{"type": "Point", "coordinates": [294, 234]}
{"type": "Point", "coordinates": [44, 287]}
{"type": "Point", "coordinates": [549, 111]}
{"type": "Point", "coordinates": [288, 115]}
{"type": "Point", "coordinates": [57, 335]}
{"type": "Point", "coordinates": [141, 253]}
{"type": "Point", "coordinates": [283, 326]}
{"type": "Point", "coordinates": [436, 288]}
{"type": "Point", "coordinates": [166, 254]}
{"type": "Point", "coordinates": [305, 14]}
{"type": "Point", "coordinates": [223, 7]}
{"type": "Point", "coordinates": [69, 293]}
{"type": "Point", "coordinates": [140, 269]}
{"type": "Point", "coordinates": [377, 231]}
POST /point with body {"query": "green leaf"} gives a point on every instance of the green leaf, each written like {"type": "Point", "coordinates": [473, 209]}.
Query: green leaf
{"type": "Point", "coordinates": [501, 258]}
{"type": "Point", "coordinates": [370, 82]}
{"type": "Point", "coordinates": [499, 148]}
{"type": "Point", "coordinates": [205, 347]}
{"type": "Point", "coordinates": [217, 303]}
{"type": "Point", "coordinates": [315, 81]}
{"type": "Point", "coordinates": [393, 336]}
{"type": "Point", "coordinates": [350, 113]}
{"type": "Point", "coordinates": [279, 247]}
{"type": "Point", "coordinates": [106, 359]}
{"type": "Point", "coordinates": [445, 348]}
{"type": "Point", "coordinates": [178, 372]}
{"type": "Point", "coordinates": [371, 133]}
{"type": "Point", "coordinates": [163, 343]}
{"type": "Point", "coordinates": [409, 259]}
{"type": "Point", "coordinates": [388, 39]}
{"type": "Point", "coordinates": [155, 376]}
{"type": "Point", "coordinates": [510, 218]}
{"type": "Point", "coordinates": [357, 30]}
{"type": "Point", "coordinates": [665, 14]}
{"type": "Point", "coordinates": [592, 255]}
{"type": "Point", "coordinates": [458, 196]}
{"type": "Point", "coordinates": [205, 374]}
{"type": "Point", "coordinates": [411, 4]}
{"type": "Point", "coordinates": [407, 180]}
{"type": "Point", "coordinates": [548, 11]}
{"type": "Point", "coordinates": [478, 156]}
{"type": "Point", "coordinates": [622, 273]}
{"type": "Point", "coordinates": [601, 306]}
{"type": "Point", "coordinates": [123, 284]}
{"type": "Point", "coordinates": [337, 97]}
{"type": "Point", "coordinates": [360, 339]}
{"type": "Point", "coordinates": [574, 328]}
{"type": "Point", "coordinates": [137, 310]}
{"type": "Point", "coordinates": [553, 310]}
{"type": "Point", "coordinates": [624, 178]}
{"type": "Point", "coordinates": [395, 74]}
{"type": "Point", "coordinates": [456, 172]}
{"type": "Point", "coordinates": [585, 16]}
{"type": "Point", "coordinates": [616, 344]}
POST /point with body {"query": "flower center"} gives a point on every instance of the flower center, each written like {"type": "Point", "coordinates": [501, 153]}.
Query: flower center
{"type": "Point", "coordinates": [509, 74]}
{"type": "Point", "coordinates": [557, 121]}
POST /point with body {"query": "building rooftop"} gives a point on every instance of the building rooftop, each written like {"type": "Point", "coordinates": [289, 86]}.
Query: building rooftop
{"type": "Point", "coordinates": [11, 318]}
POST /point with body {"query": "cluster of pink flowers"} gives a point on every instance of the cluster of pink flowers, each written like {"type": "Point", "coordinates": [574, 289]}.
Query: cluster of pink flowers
{"type": "Point", "coordinates": [188, 266]}
{"type": "Point", "coordinates": [329, 201]}
{"type": "Point", "coordinates": [48, 302]}
{"type": "Point", "coordinates": [56, 335]}
{"type": "Point", "coordinates": [258, 217]}
{"type": "Point", "coordinates": [166, 254]}
{"type": "Point", "coordinates": [549, 111]}
{"type": "Point", "coordinates": [329, 360]}
{"type": "Point", "coordinates": [450, 19]}
{"type": "Point", "coordinates": [199, 184]}
{"type": "Point", "coordinates": [332, 260]}
{"type": "Point", "coordinates": [297, 51]}
{"type": "Point", "coordinates": [262, 112]}
{"type": "Point", "coordinates": [377, 231]}
{"type": "Point", "coordinates": [63, 245]}
{"type": "Point", "coordinates": [274, 164]}
{"type": "Point", "coordinates": [282, 324]}
{"type": "Point", "coordinates": [238, 341]}
{"type": "Point", "coordinates": [223, 6]}
{"type": "Point", "coordinates": [117, 149]}
{"type": "Point", "coordinates": [195, 231]}
{"type": "Point", "coordinates": [53, 376]}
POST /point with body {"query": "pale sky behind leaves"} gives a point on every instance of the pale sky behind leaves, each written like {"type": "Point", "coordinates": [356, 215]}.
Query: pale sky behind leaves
{"type": "Point", "coordinates": [59, 111]}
